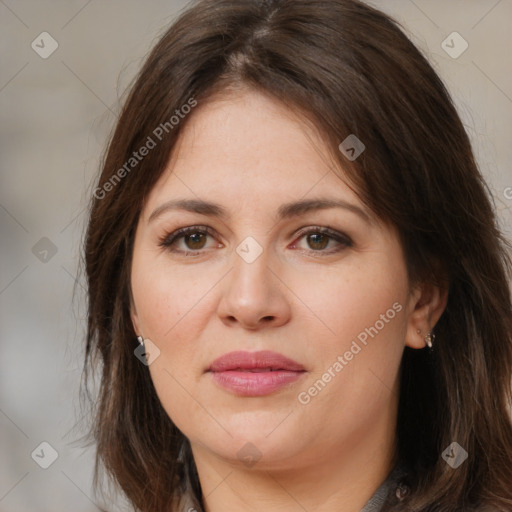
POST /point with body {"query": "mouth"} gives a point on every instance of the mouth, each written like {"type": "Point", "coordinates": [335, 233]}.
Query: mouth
{"type": "Point", "coordinates": [255, 373]}
{"type": "Point", "coordinates": [264, 360]}
{"type": "Point", "coordinates": [257, 370]}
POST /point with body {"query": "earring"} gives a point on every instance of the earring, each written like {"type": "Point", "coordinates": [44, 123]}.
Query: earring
{"type": "Point", "coordinates": [429, 339]}
{"type": "Point", "coordinates": [140, 339]}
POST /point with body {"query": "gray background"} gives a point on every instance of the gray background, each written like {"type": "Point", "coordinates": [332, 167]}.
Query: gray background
{"type": "Point", "coordinates": [56, 115]}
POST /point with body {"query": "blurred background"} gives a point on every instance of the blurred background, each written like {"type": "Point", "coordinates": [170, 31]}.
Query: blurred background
{"type": "Point", "coordinates": [64, 67]}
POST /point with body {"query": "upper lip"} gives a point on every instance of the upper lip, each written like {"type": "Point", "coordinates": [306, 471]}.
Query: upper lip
{"type": "Point", "coordinates": [264, 359]}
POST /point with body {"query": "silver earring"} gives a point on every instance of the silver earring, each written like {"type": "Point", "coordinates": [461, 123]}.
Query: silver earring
{"type": "Point", "coordinates": [429, 339]}
{"type": "Point", "coordinates": [140, 339]}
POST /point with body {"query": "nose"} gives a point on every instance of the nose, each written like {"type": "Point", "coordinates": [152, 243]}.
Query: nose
{"type": "Point", "coordinates": [253, 295]}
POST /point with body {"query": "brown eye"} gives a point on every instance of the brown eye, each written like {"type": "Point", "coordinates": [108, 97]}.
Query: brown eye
{"type": "Point", "coordinates": [318, 241]}
{"type": "Point", "coordinates": [195, 241]}
{"type": "Point", "coordinates": [188, 241]}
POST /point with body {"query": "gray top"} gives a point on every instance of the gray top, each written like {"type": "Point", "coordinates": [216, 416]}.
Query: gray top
{"type": "Point", "coordinates": [390, 486]}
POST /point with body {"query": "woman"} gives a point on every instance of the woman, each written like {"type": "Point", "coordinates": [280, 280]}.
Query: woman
{"type": "Point", "coordinates": [297, 288]}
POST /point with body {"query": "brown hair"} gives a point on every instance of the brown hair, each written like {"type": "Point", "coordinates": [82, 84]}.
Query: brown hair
{"type": "Point", "coordinates": [349, 69]}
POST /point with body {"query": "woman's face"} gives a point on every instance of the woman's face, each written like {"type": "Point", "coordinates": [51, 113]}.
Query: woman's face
{"type": "Point", "coordinates": [256, 272]}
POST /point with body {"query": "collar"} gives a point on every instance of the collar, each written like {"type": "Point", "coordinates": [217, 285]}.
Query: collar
{"type": "Point", "coordinates": [391, 487]}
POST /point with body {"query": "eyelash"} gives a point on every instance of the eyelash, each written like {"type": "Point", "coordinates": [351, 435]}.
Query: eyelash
{"type": "Point", "coordinates": [168, 240]}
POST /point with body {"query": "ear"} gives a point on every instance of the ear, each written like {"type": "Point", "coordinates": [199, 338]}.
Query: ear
{"type": "Point", "coordinates": [427, 303]}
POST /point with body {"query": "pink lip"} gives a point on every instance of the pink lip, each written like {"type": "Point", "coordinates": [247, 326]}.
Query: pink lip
{"type": "Point", "coordinates": [254, 373]}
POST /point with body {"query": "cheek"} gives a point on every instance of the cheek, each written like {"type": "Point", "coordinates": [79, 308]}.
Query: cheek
{"type": "Point", "coordinates": [171, 308]}
{"type": "Point", "coordinates": [346, 302]}
{"type": "Point", "coordinates": [355, 341]}
{"type": "Point", "coordinates": [168, 296]}
{"type": "Point", "coordinates": [174, 304]}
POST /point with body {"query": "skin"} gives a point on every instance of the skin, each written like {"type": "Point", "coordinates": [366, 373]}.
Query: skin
{"type": "Point", "coordinates": [250, 154]}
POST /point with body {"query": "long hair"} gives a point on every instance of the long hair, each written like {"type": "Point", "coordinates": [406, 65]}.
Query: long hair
{"type": "Point", "coordinates": [348, 69]}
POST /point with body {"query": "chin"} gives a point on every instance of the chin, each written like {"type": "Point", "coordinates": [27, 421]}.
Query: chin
{"type": "Point", "coordinates": [263, 440]}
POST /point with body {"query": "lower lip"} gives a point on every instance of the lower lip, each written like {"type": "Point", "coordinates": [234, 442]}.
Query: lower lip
{"type": "Point", "coordinates": [255, 383]}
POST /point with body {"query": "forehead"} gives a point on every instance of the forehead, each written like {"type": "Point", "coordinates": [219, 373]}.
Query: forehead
{"type": "Point", "coordinates": [247, 146]}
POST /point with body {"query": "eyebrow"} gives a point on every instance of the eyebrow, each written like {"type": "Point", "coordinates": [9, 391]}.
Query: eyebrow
{"type": "Point", "coordinates": [285, 211]}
